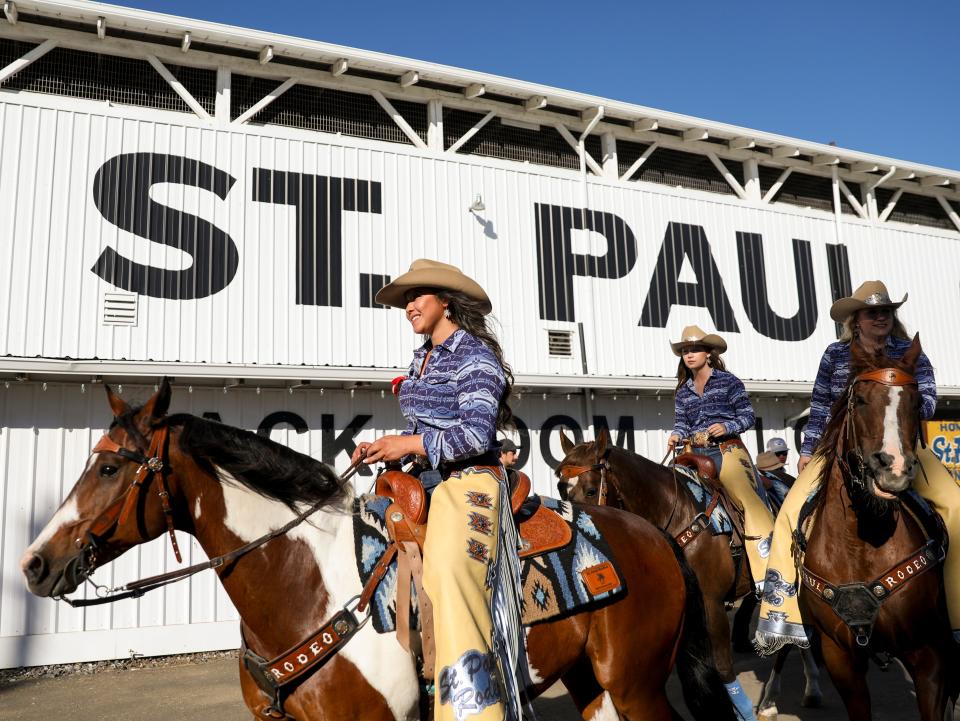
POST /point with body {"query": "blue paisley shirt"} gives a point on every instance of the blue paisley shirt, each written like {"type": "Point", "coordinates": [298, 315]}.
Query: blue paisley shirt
{"type": "Point", "coordinates": [832, 382]}
{"type": "Point", "coordinates": [724, 400]}
{"type": "Point", "coordinates": [454, 404]}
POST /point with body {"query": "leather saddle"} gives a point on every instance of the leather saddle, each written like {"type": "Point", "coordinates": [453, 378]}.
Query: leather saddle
{"type": "Point", "coordinates": [407, 517]}
{"type": "Point", "coordinates": [706, 470]}
{"type": "Point", "coordinates": [704, 466]}
{"type": "Point", "coordinates": [541, 529]}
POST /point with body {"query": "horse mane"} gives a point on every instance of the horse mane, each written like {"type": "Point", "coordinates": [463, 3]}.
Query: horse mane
{"type": "Point", "coordinates": [828, 447]}
{"type": "Point", "coordinates": [265, 467]}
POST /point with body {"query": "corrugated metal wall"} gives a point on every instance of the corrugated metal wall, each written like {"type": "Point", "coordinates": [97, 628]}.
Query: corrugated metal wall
{"type": "Point", "coordinates": [45, 439]}
{"type": "Point", "coordinates": [62, 171]}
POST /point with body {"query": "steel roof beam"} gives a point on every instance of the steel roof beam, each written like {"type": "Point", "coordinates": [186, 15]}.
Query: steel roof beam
{"type": "Point", "coordinates": [399, 120]}
{"type": "Point", "coordinates": [26, 59]}
{"type": "Point", "coordinates": [178, 88]}
{"type": "Point", "coordinates": [473, 131]}
{"type": "Point", "coordinates": [728, 176]}
{"type": "Point", "coordinates": [574, 143]}
{"type": "Point", "coordinates": [638, 163]}
{"type": "Point", "coordinates": [252, 111]}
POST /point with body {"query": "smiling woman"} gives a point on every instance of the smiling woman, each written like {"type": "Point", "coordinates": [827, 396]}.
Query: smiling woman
{"type": "Point", "coordinates": [455, 399]}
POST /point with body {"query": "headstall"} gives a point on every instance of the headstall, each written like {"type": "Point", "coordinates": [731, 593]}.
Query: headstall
{"type": "Point", "coordinates": [885, 376]}
{"type": "Point", "coordinates": [571, 472]}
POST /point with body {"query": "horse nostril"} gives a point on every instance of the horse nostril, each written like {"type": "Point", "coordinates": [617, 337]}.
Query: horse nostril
{"type": "Point", "coordinates": [34, 568]}
{"type": "Point", "coordinates": [881, 460]}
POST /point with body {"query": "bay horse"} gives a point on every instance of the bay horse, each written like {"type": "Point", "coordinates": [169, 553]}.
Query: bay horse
{"type": "Point", "coordinates": [869, 461]}
{"type": "Point", "coordinates": [653, 491]}
{"type": "Point", "coordinates": [228, 487]}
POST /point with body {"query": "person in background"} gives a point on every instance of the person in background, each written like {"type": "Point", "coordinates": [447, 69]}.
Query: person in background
{"type": "Point", "coordinates": [778, 446]}
{"type": "Point", "coordinates": [508, 453]}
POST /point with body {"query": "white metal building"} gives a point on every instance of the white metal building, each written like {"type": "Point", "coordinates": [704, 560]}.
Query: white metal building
{"type": "Point", "coordinates": [221, 205]}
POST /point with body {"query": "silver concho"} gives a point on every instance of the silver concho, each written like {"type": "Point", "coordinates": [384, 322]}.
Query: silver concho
{"type": "Point", "coordinates": [471, 684]}
{"type": "Point", "coordinates": [877, 299]}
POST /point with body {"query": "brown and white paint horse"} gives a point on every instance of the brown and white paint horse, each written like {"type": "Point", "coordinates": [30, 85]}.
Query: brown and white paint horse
{"type": "Point", "coordinates": [228, 486]}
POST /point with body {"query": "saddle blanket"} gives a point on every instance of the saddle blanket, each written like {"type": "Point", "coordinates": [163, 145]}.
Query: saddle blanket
{"type": "Point", "coordinates": [552, 581]}
{"type": "Point", "coordinates": [719, 520]}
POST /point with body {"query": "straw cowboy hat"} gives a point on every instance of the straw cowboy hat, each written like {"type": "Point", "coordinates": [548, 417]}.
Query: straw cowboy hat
{"type": "Point", "coordinates": [694, 335]}
{"type": "Point", "coordinates": [768, 461]}
{"type": "Point", "coordinates": [872, 294]}
{"type": "Point", "coordinates": [432, 274]}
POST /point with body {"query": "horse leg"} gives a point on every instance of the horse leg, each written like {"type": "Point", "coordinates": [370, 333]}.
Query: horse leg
{"type": "Point", "coordinates": [767, 708]}
{"type": "Point", "coordinates": [812, 695]}
{"type": "Point", "coordinates": [928, 669]}
{"type": "Point", "coordinates": [849, 674]}
{"type": "Point", "coordinates": [718, 627]}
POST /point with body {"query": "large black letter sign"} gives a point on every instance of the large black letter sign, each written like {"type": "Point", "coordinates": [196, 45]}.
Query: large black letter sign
{"type": "Point", "coordinates": [320, 202]}
{"type": "Point", "coordinates": [840, 284]}
{"type": "Point", "coordinates": [557, 264]}
{"type": "Point", "coordinates": [753, 286]}
{"type": "Point", "coordinates": [121, 192]}
{"type": "Point", "coordinates": [686, 241]}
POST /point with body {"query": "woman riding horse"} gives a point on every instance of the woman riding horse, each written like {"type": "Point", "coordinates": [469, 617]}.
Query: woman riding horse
{"type": "Point", "coordinates": [712, 410]}
{"type": "Point", "coordinates": [869, 319]}
{"type": "Point", "coordinates": [455, 398]}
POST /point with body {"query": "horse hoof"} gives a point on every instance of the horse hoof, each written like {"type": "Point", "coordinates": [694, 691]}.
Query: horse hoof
{"type": "Point", "coordinates": [767, 714]}
{"type": "Point", "coordinates": [812, 701]}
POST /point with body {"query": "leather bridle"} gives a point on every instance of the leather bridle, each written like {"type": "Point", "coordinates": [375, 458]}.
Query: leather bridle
{"type": "Point", "coordinates": [885, 376]}
{"type": "Point", "coordinates": [119, 510]}
{"type": "Point", "coordinates": [602, 466]}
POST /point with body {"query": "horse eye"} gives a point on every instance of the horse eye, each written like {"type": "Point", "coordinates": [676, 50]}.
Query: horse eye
{"type": "Point", "coordinates": [592, 492]}
{"type": "Point", "coordinates": [861, 401]}
{"type": "Point", "coordinates": [106, 471]}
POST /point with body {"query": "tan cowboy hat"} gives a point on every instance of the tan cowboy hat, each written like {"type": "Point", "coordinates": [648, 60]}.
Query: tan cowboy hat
{"type": "Point", "coordinates": [694, 335]}
{"type": "Point", "coordinates": [425, 273]}
{"type": "Point", "coordinates": [768, 461]}
{"type": "Point", "coordinates": [871, 294]}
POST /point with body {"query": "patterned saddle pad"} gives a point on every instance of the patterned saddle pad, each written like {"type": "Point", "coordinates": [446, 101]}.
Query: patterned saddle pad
{"type": "Point", "coordinates": [552, 581]}
{"type": "Point", "coordinates": [719, 520]}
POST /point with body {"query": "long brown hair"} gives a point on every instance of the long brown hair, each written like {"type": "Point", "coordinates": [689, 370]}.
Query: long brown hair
{"type": "Point", "coordinates": [683, 373]}
{"type": "Point", "coordinates": [468, 314]}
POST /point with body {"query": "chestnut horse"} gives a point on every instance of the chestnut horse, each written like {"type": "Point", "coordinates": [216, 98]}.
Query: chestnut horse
{"type": "Point", "coordinates": [653, 491]}
{"type": "Point", "coordinates": [227, 487]}
{"type": "Point", "coordinates": [868, 458]}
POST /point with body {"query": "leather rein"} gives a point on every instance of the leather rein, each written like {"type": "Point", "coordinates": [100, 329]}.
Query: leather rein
{"type": "Point", "coordinates": [117, 513]}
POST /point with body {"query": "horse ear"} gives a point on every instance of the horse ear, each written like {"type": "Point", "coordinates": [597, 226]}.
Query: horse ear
{"type": "Point", "coordinates": [603, 440]}
{"type": "Point", "coordinates": [117, 404]}
{"type": "Point", "coordinates": [158, 404]}
{"type": "Point", "coordinates": [913, 353]}
{"type": "Point", "coordinates": [565, 443]}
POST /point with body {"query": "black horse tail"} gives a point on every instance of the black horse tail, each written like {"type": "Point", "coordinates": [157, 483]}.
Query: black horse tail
{"type": "Point", "coordinates": [703, 689]}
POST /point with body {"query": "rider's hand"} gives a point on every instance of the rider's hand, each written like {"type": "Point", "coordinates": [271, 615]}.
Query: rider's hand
{"type": "Point", "coordinates": [802, 463]}
{"type": "Point", "coordinates": [359, 452]}
{"type": "Point", "coordinates": [392, 448]}
{"type": "Point", "coordinates": [717, 430]}
{"type": "Point", "coordinates": [673, 441]}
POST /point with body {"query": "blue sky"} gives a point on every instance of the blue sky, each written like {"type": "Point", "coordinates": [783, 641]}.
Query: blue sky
{"type": "Point", "coordinates": [882, 77]}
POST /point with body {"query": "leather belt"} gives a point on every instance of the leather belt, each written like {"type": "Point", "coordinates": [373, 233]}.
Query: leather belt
{"type": "Point", "coordinates": [490, 458]}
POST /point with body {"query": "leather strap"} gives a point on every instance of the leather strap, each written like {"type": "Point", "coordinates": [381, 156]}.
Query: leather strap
{"type": "Point", "coordinates": [404, 583]}
{"type": "Point", "coordinates": [699, 523]}
{"type": "Point", "coordinates": [311, 653]}
{"type": "Point", "coordinates": [889, 582]}
{"type": "Point", "coordinates": [887, 377]}
{"type": "Point", "coordinates": [378, 573]}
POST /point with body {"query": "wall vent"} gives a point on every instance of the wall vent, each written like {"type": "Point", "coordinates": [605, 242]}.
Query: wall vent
{"type": "Point", "coordinates": [120, 308]}
{"type": "Point", "coordinates": [560, 343]}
